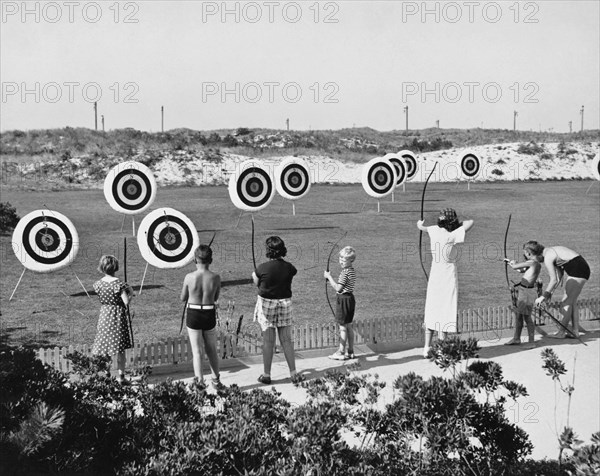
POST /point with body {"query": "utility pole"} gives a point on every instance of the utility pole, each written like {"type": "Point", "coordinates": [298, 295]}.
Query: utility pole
{"type": "Point", "coordinates": [95, 115]}
{"type": "Point", "coordinates": [581, 112]}
{"type": "Point", "coordinates": [102, 122]}
{"type": "Point", "coordinates": [437, 123]}
{"type": "Point", "coordinates": [515, 114]}
{"type": "Point", "coordinates": [406, 114]}
{"type": "Point", "coordinates": [287, 124]}
{"type": "Point", "coordinates": [162, 118]}
{"type": "Point", "coordinates": [570, 127]}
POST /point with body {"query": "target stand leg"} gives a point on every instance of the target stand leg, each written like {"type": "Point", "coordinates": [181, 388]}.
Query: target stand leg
{"type": "Point", "coordinates": [133, 225]}
{"type": "Point", "coordinates": [378, 207]}
{"type": "Point", "coordinates": [122, 223]}
{"type": "Point", "coordinates": [403, 187]}
{"type": "Point", "coordinates": [468, 185]}
{"type": "Point", "coordinates": [590, 187]}
{"type": "Point", "coordinates": [18, 282]}
{"type": "Point", "coordinates": [293, 209]}
{"type": "Point", "coordinates": [143, 278]}
{"type": "Point", "coordinates": [393, 200]}
{"type": "Point", "coordinates": [80, 283]}
{"type": "Point", "coordinates": [239, 218]}
{"type": "Point", "coordinates": [363, 207]}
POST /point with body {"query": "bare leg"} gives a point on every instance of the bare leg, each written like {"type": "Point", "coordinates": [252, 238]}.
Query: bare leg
{"type": "Point", "coordinates": [343, 338]}
{"type": "Point", "coordinates": [568, 308]}
{"type": "Point", "coordinates": [350, 330]}
{"type": "Point", "coordinates": [121, 364]}
{"type": "Point", "coordinates": [196, 343]}
{"type": "Point", "coordinates": [428, 337]}
{"type": "Point", "coordinates": [210, 345]}
{"type": "Point", "coordinates": [268, 348]}
{"type": "Point", "coordinates": [285, 337]}
{"type": "Point", "coordinates": [530, 327]}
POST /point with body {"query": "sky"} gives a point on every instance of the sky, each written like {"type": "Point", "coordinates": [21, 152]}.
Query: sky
{"type": "Point", "coordinates": [322, 65]}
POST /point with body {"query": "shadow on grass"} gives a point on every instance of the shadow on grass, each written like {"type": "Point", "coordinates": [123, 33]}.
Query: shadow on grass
{"type": "Point", "coordinates": [13, 337]}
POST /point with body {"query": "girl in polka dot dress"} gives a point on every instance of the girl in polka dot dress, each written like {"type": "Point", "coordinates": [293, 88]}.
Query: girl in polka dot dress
{"type": "Point", "coordinates": [112, 337]}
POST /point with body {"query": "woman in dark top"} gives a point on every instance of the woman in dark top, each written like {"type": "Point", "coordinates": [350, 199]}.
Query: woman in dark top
{"type": "Point", "coordinates": [273, 309]}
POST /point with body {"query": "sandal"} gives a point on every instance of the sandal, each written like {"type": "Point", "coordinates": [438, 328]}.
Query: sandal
{"type": "Point", "coordinates": [264, 379]}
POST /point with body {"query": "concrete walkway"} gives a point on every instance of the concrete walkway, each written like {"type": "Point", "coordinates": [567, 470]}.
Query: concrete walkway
{"type": "Point", "coordinates": [534, 413]}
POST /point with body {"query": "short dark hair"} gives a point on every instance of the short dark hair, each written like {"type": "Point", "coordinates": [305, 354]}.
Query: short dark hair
{"type": "Point", "coordinates": [448, 219]}
{"type": "Point", "coordinates": [108, 265]}
{"type": "Point", "coordinates": [275, 247]}
{"type": "Point", "coordinates": [203, 254]}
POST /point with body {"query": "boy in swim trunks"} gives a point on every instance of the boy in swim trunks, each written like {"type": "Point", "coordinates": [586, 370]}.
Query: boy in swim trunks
{"type": "Point", "coordinates": [526, 294]}
{"type": "Point", "coordinates": [201, 290]}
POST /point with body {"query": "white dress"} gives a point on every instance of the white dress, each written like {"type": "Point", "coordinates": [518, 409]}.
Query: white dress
{"type": "Point", "coordinates": [441, 305]}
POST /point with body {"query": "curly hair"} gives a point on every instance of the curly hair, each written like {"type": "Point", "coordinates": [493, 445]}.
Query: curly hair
{"type": "Point", "coordinates": [535, 248]}
{"type": "Point", "coordinates": [448, 219]}
{"type": "Point", "coordinates": [348, 253]}
{"type": "Point", "coordinates": [108, 265]}
{"type": "Point", "coordinates": [203, 254]}
{"type": "Point", "coordinates": [275, 247]}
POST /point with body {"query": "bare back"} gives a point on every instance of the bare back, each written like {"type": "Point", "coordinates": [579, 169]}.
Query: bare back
{"type": "Point", "coordinates": [201, 287]}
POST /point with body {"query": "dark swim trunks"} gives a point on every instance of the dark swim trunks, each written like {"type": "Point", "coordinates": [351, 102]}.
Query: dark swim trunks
{"type": "Point", "coordinates": [577, 268]}
{"type": "Point", "coordinates": [201, 317]}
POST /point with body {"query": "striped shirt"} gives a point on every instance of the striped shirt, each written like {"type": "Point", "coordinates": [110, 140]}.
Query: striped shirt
{"type": "Point", "coordinates": [347, 280]}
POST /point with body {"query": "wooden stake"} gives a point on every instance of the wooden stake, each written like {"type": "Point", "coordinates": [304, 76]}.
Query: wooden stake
{"type": "Point", "coordinates": [88, 294]}
{"type": "Point", "coordinates": [143, 278]}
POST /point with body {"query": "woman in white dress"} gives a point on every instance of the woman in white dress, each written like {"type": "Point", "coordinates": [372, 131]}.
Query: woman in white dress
{"type": "Point", "coordinates": [441, 304]}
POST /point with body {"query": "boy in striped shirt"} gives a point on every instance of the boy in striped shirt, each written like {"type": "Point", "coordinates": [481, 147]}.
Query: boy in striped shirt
{"type": "Point", "coordinates": [345, 304]}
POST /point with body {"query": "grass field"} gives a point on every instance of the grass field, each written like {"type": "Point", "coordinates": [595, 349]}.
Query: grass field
{"type": "Point", "coordinates": [52, 309]}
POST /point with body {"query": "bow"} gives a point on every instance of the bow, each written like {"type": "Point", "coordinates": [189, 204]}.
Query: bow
{"type": "Point", "coordinates": [513, 297]}
{"type": "Point", "coordinates": [327, 269]}
{"type": "Point", "coordinates": [421, 231]}
{"type": "Point", "coordinates": [253, 257]}
{"type": "Point", "coordinates": [125, 278]}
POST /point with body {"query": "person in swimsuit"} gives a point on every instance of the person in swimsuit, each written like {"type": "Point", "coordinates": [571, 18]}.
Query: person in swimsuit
{"type": "Point", "coordinates": [559, 261]}
{"type": "Point", "coordinates": [526, 293]}
{"type": "Point", "coordinates": [201, 290]}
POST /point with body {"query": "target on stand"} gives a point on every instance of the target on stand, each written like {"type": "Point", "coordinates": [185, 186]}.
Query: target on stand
{"type": "Point", "coordinates": [398, 164]}
{"type": "Point", "coordinates": [130, 188]}
{"type": "Point", "coordinates": [45, 241]}
{"type": "Point", "coordinates": [251, 189]}
{"type": "Point", "coordinates": [292, 178]}
{"type": "Point", "coordinates": [596, 166]}
{"type": "Point", "coordinates": [470, 165]}
{"type": "Point", "coordinates": [410, 162]}
{"type": "Point", "coordinates": [167, 238]}
{"type": "Point", "coordinates": [379, 177]}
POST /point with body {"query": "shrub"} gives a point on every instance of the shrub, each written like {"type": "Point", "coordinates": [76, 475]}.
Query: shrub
{"type": "Point", "coordinates": [8, 217]}
{"type": "Point", "coordinates": [531, 148]}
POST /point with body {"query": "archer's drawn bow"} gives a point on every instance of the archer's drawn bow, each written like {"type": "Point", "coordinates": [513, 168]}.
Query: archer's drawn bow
{"type": "Point", "coordinates": [327, 269]}
{"type": "Point", "coordinates": [421, 231]}
{"type": "Point", "coordinates": [125, 278]}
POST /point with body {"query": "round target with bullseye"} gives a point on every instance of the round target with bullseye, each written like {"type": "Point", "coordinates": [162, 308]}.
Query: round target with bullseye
{"type": "Point", "coordinates": [398, 164]}
{"type": "Point", "coordinates": [45, 241]}
{"type": "Point", "coordinates": [167, 238]}
{"type": "Point", "coordinates": [410, 163]}
{"type": "Point", "coordinates": [470, 165]}
{"type": "Point", "coordinates": [292, 178]}
{"type": "Point", "coordinates": [252, 188]}
{"type": "Point", "coordinates": [379, 177]}
{"type": "Point", "coordinates": [596, 166]}
{"type": "Point", "coordinates": [130, 188]}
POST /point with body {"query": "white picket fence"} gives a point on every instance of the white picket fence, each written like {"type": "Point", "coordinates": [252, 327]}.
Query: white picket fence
{"type": "Point", "coordinates": [400, 329]}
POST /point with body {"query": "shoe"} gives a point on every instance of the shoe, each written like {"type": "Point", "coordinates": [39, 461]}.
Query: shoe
{"type": "Point", "coordinates": [264, 379]}
{"type": "Point", "coordinates": [557, 335]}
{"type": "Point", "coordinates": [513, 342]}
{"type": "Point", "coordinates": [338, 356]}
{"type": "Point", "coordinates": [217, 384]}
{"type": "Point", "coordinates": [297, 378]}
{"type": "Point", "coordinates": [350, 355]}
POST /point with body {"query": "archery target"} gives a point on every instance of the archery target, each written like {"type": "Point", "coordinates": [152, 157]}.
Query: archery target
{"type": "Point", "coordinates": [292, 178]}
{"type": "Point", "coordinates": [48, 241]}
{"type": "Point", "coordinates": [130, 188]}
{"type": "Point", "coordinates": [398, 164]}
{"type": "Point", "coordinates": [410, 163]}
{"type": "Point", "coordinates": [251, 189]}
{"type": "Point", "coordinates": [470, 165]}
{"type": "Point", "coordinates": [379, 177]}
{"type": "Point", "coordinates": [596, 166]}
{"type": "Point", "coordinates": [167, 239]}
